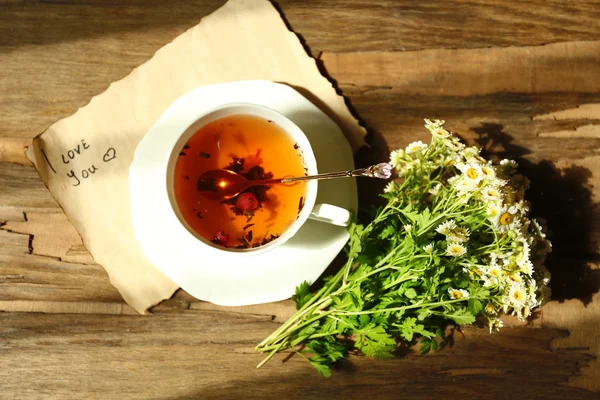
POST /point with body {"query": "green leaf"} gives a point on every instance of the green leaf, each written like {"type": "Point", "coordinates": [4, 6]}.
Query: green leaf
{"type": "Point", "coordinates": [388, 231]}
{"type": "Point", "coordinates": [462, 316]}
{"type": "Point", "coordinates": [423, 314]}
{"type": "Point", "coordinates": [426, 345]}
{"type": "Point", "coordinates": [322, 368]}
{"type": "Point", "coordinates": [364, 319]}
{"type": "Point", "coordinates": [407, 328]}
{"type": "Point", "coordinates": [424, 218]}
{"type": "Point", "coordinates": [475, 306]}
{"type": "Point", "coordinates": [410, 293]}
{"type": "Point", "coordinates": [434, 344]}
{"type": "Point", "coordinates": [374, 341]}
{"type": "Point", "coordinates": [302, 295]}
{"type": "Point", "coordinates": [355, 245]}
{"type": "Point", "coordinates": [330, 325]}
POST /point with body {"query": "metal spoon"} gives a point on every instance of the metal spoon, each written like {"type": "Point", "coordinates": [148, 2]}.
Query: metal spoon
{"type": "Point", "coordinates": [223, 184]}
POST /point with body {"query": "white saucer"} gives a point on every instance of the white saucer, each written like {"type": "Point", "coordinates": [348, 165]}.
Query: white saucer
{"type": "Point", "coordinates": [271, 276]}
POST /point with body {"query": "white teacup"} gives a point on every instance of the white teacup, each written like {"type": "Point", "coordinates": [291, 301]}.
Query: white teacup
{"type": "Point", "coordinates": [326, 213]}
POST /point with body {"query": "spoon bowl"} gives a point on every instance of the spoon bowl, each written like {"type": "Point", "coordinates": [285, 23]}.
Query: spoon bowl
{"type": "Point", "coordinates": [222, 184]}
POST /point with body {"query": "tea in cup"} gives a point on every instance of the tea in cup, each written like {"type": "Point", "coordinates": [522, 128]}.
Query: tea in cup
{"type": "Point", "coordinates": [257, 143]}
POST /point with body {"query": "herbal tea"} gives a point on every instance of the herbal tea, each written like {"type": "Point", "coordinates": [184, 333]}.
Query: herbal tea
{"type": "Point", "coordinates": [256, 148]}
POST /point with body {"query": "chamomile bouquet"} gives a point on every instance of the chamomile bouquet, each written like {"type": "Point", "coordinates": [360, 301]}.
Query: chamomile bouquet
{"type": "Point", "coordinates": [453, 242]}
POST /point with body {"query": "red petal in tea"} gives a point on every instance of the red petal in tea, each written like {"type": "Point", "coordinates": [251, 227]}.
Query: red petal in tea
{"type": "Point", "coordinates": [221, 238]}
{"type": "Point", "coordinates": [246, 202]}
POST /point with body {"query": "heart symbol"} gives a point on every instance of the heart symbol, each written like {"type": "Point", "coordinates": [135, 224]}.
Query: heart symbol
{"type": "Point", "coordinates": [109, 155]}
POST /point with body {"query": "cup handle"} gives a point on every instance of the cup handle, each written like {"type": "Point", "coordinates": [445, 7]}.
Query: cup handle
{"type": "Point", "coordinates": [331, 214]}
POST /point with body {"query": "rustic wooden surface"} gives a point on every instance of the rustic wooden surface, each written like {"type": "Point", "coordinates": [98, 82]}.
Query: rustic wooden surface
{"type": "Point", "coordinates": [521, 79]}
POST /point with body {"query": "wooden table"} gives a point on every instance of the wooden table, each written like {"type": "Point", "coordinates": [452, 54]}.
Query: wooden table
{"type": "Point", "coordinates": [522, 80]}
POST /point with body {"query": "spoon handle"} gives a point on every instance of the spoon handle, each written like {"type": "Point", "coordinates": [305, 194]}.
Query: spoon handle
{"type": "Point", "coordinates": [381, 171]}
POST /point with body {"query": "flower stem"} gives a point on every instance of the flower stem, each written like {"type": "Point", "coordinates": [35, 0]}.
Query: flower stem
{"type": "Point", "coordinates": [419, 305]}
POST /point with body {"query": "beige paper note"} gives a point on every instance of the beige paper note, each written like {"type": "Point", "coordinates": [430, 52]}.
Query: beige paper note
{"type": "Point", "coordinates": [84, 159]}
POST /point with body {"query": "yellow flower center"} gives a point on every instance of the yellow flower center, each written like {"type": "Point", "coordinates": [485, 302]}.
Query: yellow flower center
{"type": "Point", "coordinates": [495, 272]}
{"type": "Point", "coordinates": [493, 212]}
{"type": "Point", "coordinates": [505, 219]}
{"type": "Point", "coordinates": [486, 172]}
{"type": "Point", "coordinates": [457, 295]}
{"type": "Point", "coordinates": [489, 308]}
{"type": "Point", "coordinates": [455, 250]}
{"type": "Point", "coordinates": [472, 173]}
{"type": "Point", "coordinates": [518, 295]}
{"type": "Point", "coordinates": [514, 278]}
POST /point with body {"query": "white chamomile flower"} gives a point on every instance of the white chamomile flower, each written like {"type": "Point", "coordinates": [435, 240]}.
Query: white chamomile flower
{"type": "Point", "coordinates": [472, 173]}
{"type": "Point", "coordinates": [464, 186]}
{"type": "Point", "coordinates": [435, 190]}
{"type": "Point", "coordinates": [390, 187]}
{"type": "Point", "coordinates": [408, 228]}
{"type": "Point", "coordinates": [458, 235]}
{"type": "Point", "coordinates": [515, 277]}
{"type": "Point", "coordinates": [508, 167]}
{"type": "Point", "coordinates": [538, 228]}
{"type": "Point", "coordinates": [493, 211]}
{"type": "Point", "coordinates": [455, 249]}
{"type": "Point", "coordinates": [504, 220]}
{"type": "Point", "coordinates": [495, 324]}
{"type": "Point", "coordinates": [454, 144]}
{"type": "Point", "coordinates": [517, 296]}
{"type": "Point", "coordinates": [458, 293]}
{"type": "Point", "coordinates": [428, 248]}
{"type": "Point", "coordinates": [524, 251]}
{"type": "Point", "coordinates": [509, 163]}
{"type": "Point", "coordinates": [440, 132]}
{"type": "Point", "coordinates": [396, 158]}
{"type": "Point", "coordinates": [436, 123]}
{"type": "Point", "coordinates": [490, 309]}
{"type": "Point", "coordinates": [494, 258]}
{"type": "Point", "coordinates": [415, 147]}
{"type": "Point", "coordinates": [451, 159]}
{"type": "Point", "coordinates": [488, 172]}
{"type": "Point", "coordinates": [471, 152]}
{"type": "Point", "coordinates": [491, 193]}
{"type": "Point", "coordinates": [494, 271]}
{"type": "Point", "coordinates": [498, 182]}
{"type": "Point", "coordinates": [532, 300]}
{"type": "Point", "coordinates": [527, 268]}
{"type": "Point", "coordinates": [524, 312]}
{"type": "Point", "coordinates": [522, 207]}
{"type": "Point", "coordinates": [446, 227]}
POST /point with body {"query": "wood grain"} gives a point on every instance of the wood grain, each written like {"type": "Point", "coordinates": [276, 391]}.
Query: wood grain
{"type": "Point", "coordinates": [58, 49]}
{"type": "Point", "coordinates": [519, 79]}
{"type": "Point", "coordinates": [197, 355]}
